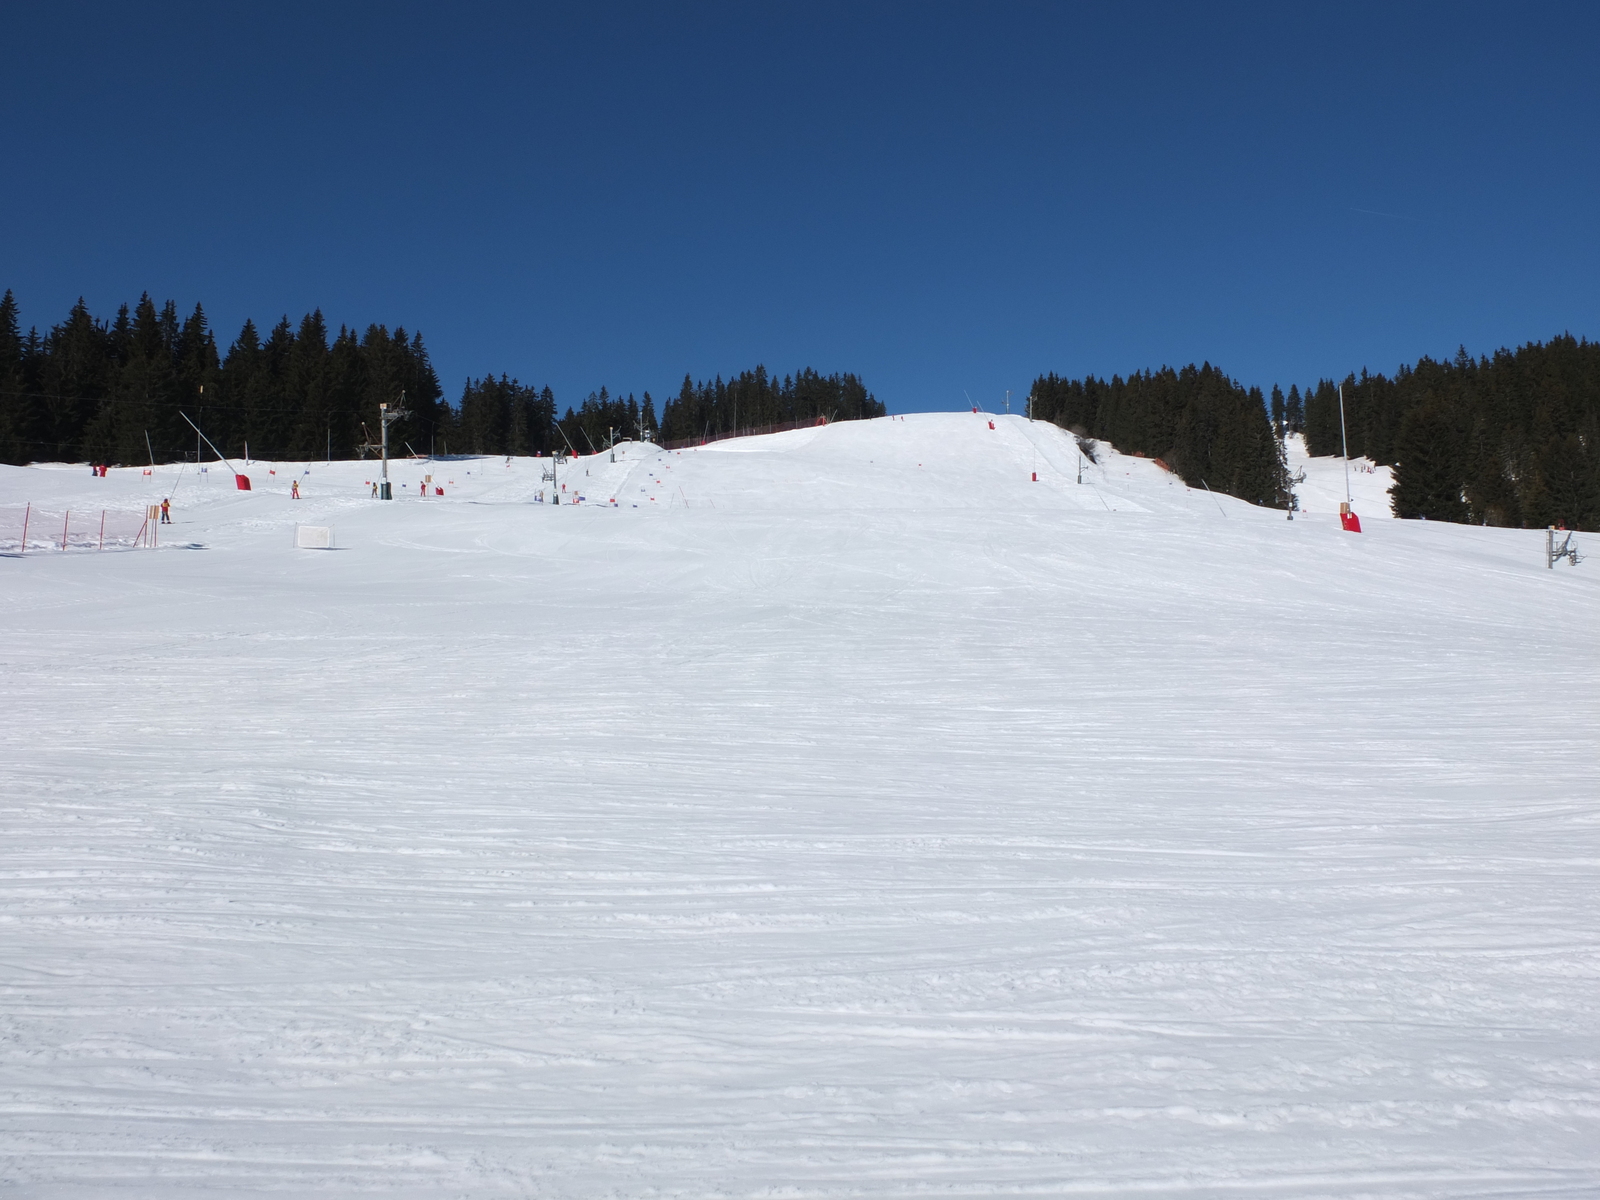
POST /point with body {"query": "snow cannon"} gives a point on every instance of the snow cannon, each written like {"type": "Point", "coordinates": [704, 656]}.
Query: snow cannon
{"type": "Point", "coordinates": [1348, 519]}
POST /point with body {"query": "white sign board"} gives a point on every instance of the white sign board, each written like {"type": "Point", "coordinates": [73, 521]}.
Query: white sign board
{"type": "Point", "coordinates": [313, 537]}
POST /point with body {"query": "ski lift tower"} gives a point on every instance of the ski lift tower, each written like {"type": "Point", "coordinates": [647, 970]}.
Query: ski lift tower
{"type": "Point", "coordinates": [386, 417]}
{"type": "Point", "coordinates": [1554, 553]}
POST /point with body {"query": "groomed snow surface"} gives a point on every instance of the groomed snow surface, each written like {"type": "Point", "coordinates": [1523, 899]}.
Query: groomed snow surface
{"type": "Point", "coordinates": [841, 813]}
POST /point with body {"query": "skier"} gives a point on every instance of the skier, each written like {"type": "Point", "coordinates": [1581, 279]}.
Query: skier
{"type": "Point", "coordinates": [166, 510]}
{"type": "Point", "coordinates": [294, 490]}
{"type": "Point", "coordinates": [374, 489]}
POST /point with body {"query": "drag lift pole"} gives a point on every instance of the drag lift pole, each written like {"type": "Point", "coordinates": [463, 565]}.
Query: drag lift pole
{"type": "Point", "coordinates": [1344, 442]}
{"type": "Point", "coordinates": [570, 446]}
{"type": "Point", "coordinates": [1347, 513]}
{"type": "Point", "coordinates": [242, 482]}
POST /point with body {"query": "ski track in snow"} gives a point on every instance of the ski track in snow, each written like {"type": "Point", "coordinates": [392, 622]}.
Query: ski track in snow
{"type": "Point", "coordinates": [854, 818]}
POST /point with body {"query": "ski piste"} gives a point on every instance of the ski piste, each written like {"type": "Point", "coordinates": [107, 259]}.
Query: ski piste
{"type": "Point", "coordinates": [840, 812]}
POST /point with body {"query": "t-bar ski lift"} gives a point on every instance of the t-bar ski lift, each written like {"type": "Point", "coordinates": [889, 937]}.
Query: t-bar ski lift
{"type": "Point", "coordinates": [242, 482]}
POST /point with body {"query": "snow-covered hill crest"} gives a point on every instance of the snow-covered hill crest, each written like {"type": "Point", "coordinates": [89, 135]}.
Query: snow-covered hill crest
{"type": "Point", "coordinates": [838, 813]}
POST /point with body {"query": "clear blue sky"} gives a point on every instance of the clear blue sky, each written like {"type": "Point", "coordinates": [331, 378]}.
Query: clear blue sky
{"type": "Point", "coordinates": [942, 198]}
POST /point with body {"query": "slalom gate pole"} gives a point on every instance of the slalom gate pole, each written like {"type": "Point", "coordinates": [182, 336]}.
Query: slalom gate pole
{"type": "Point", "coordinates": [64, 521]}
{"type": "Point", "coordinates": [26, 513]}
{"type": "Point", "coordinates": [102, 529]}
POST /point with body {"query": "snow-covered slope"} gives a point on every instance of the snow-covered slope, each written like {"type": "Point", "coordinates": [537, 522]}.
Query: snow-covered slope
{"type": "Point", "coordinates": [1321, 483]}
{"type": "Point", "coordinates": [918, 462]}
{"type": "Point", "coordinates": [836, 813]}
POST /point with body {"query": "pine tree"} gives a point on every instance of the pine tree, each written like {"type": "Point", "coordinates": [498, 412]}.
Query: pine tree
{"type": "Point", "coordinates": [241, 386]}
{"type": "Point", "coordinates": [198, 371]}
{"type": "Point", "coordinates": [305, 386]}
{"type": "Point", "coordinates": [73, 378]}
{"type": "Point", "coordinates": [647, 415]}
{"type": "Point", "coordinates": [345, 384]}
{"type": "Point", "coordinates": [148, 393]}
{"type": "Point", "coordinates": [423, 392]}
{"type": "Point", "coordinates": [1429, 479]}
{"type": "Point", "coordinates": [1567, 491]}
{"type": "Point", "coordinates": [543, 422]}
{"type": "Point", "coordinates": [16, 409]}
{"type": "Point", "coordinates": [1321, 426]}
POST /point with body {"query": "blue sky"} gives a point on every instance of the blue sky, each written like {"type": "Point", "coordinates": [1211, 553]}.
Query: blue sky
{"type": "Point", "coordinates": [945, 199]}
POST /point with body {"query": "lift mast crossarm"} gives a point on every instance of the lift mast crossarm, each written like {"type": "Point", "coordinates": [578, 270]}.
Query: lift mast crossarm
{"type": "Point", "coordinates": [386, 417]}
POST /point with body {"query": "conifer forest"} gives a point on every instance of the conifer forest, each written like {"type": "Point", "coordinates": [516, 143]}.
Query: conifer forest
{"type": "Point", "coordinates": [1512, 439]}
{"type": "Point", "coordinates": [117, 391]}
{"type": "Point", "coordinates": [1509, 439]}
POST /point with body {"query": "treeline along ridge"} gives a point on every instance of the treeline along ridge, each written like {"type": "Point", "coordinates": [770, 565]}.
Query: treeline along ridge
{"type": "Point", "coordinates": [97, 390]}
{"type": "Point", "coordinates": [1512, 439]}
